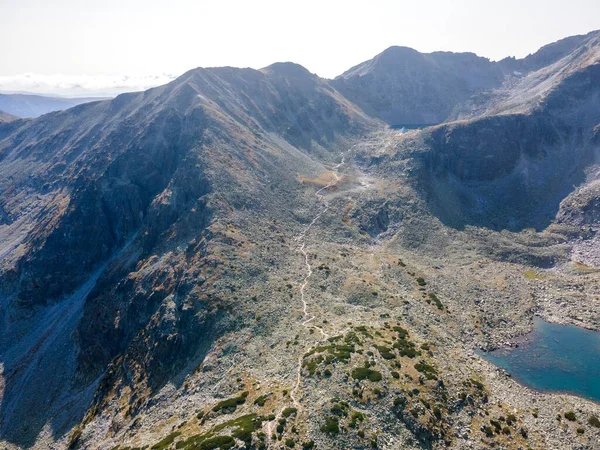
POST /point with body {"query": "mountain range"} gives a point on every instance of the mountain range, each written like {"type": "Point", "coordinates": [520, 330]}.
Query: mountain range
{"type": "Point", "coordinates": [31, 105]}
{"type": "Point", "coordinates": [267, 259]}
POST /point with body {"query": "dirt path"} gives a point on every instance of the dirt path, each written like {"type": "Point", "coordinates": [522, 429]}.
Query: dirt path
{"type": "Point", "coordinates": [307, 317]}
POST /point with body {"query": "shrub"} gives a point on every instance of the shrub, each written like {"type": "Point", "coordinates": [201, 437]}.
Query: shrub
{"type": "Point", "coordinates": [510, 419]}
{"type": "Point", "coordinates": [355, 418]}
{"type": "Point", "coordinates": [385, 352]}
{"type": "Point", "coordinates": [478, 384]}
{"type": "Point", "coordinates": [437, 301]}
{"type": "Point", "coordinates": [290, 443]}
{"type": "Point", "coordinates": [594, 421]}
{"type": "Point", "coordinates": [402, 333]}
{"type": "Point", "coordinates": [231, 402]}
{"type": "Point", "coordinates": [163, 444]}
{"type": "Point", "coordinates": [220, 442]}
{"type": "Point", "coordinates": [570, 415]}
{"type": "Point", "coordinates": [287, 412]}
{"type": "Point", "coordinates": [496, 425]}
{"type": "Point", "coordinates": [362, 373]}
{"type": "Point", "coordinates": [580, 431]}
{"type": "Point", "coordinates": [331, 426]}
{"type": "Point", "coordinates": [243, 426]}
{"type": "Point", "coordinates": [406, 348]}
{"type": "Point", "coordinates": [260, 401]}
{"type": "Point", "coordinates": [421, 281]}
{"type": "Point", "coordinates": [395, 374]}
{"type": "Point", "coordinates": [308, 445]}
{"type": "Point", "coordinates": [426, 369]}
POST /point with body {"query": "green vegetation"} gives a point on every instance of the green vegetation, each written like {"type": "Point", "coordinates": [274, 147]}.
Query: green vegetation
{"type": "Point", "coordinates": [342, 352]}
{"type": "Point", "coordinates": [427, 370]}
{"type": "Point", "coordinates": [362, 373]}
{"type": "Point", "coordinates": [260, 401]}
{"type": "Point", "coordinates": [478, 384]}
{"type": "Point", "coordinates": [220, 442]}
{"type": "Point", "coordinates": [340, 408]}
{"type": "Point", "coordinates": [308, 445]}
{"type": "Point", "coordinates": [580, 430]}
{"type": "Point", "coordinates": [437, 301]}
{"type": "Point", "coordinates": [243, 426]}
{"type": "Point", "coordinates": [594, 421]}
{"type": "Point", "coordinates": [231, 402]}
{"type": "Point", "coordinates": [406, 348]}
{"type": "Point", "coordinates": [206, 442]}
{"type": "Point", "coordinates": [364, 331]}
{"type": "Point", "coordinates": [402, 332]}
{"type": "Point", "coordinates": [395, 374]}
{"type": "Point", "coordinates": [385, 352]}
{"type": "Point", "coordinates": [166, 442]}
{"type": "Point", "coordinates": [356, 417]}
{"type": "Point", "coordinates": [570, 415]}
{"type": "Point", "coordinates": [496, 425]}
{"type": "Point", "coordinates": [332, 425]}
{"type": "Point", "coordinates": [287, 412]}
{"type": "Point", "coordinates": [421, 281]}
{"type": "Point", "coordinates": [532, 275]}
{"type": "Point", "coordinates": [290, 443]}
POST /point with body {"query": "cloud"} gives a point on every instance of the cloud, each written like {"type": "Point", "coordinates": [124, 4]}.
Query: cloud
{"type": "Point", "coordinates": [81, 85]}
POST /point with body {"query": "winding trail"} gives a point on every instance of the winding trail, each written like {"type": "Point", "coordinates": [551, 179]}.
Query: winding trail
{"type": "Point", "coordinates": [308, 317]}
{"type": "Point", "coordinates": [301, 238]}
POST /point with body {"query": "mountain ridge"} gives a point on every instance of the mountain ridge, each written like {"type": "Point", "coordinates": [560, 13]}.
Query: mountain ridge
{"type": "Point", "coordinates": [249, 259]}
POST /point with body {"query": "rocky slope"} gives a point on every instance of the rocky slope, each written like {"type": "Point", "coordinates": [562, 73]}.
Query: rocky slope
{"type": "Point", "coordinates": [248, 259]}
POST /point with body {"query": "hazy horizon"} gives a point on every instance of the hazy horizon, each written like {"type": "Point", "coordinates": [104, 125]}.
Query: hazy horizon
{"type": "Point", "coordinates": [100, 48]}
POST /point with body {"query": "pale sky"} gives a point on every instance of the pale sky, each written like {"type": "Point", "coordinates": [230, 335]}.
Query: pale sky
{"type": "Point", "coordinates": [90, 46]}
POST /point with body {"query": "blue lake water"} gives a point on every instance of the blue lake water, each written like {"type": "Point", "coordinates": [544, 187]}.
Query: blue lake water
{"type": "Point", "coordinates": [553, 357]}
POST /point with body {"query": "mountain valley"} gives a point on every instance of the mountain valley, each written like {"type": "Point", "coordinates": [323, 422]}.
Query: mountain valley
{"type": "Point", "coordinates": [264, 259]}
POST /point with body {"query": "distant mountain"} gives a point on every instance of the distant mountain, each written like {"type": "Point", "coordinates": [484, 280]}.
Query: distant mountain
{"type": "Point", "coordinates": [405, 87]}
{"type": "Point", "coordinates": [4, 117]}
{"type": "Point", "coordinates": [30, 105]}
{"type": "Point", "coordinates": [255, 259]}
